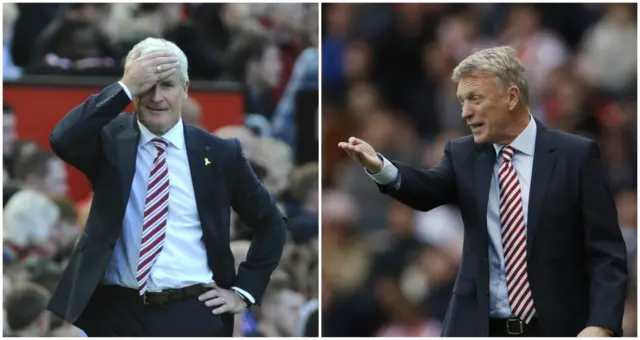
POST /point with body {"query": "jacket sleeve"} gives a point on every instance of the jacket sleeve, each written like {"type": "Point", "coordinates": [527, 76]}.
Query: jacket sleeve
{"type": "Point", "coordinates": [424, 190]}
{"type": "Point", "coordinates": [605, 247]}
{"type": "Point", "coordinates": [257, 210]}
{"type": "Point", "coordinates": [76, 138]}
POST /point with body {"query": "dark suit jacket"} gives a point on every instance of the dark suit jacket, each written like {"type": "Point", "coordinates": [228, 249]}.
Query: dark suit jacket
{"type": "Point", "coordinates": [576, 254]}
{"type": "Point", "coordinates": [101, 142]}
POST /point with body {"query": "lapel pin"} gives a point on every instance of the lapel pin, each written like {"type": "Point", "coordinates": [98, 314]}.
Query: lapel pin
{"type": "Point", "coordinates": [206, 161]}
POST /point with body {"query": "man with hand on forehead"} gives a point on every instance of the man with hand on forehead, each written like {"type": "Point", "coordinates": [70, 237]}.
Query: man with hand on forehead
{"type": "Point", "coordinates": [154, 259]}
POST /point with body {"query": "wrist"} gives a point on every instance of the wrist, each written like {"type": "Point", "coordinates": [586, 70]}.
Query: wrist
{"type": "Point", "coordinates": [243, 298]}
{"type": "Point", "coordinates": [375, 168]}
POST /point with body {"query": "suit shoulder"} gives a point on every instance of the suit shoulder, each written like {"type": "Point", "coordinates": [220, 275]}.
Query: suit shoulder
{"type": "Point", "coordinates": [571, 142]}
{"type": "Point", "coordinates": [462, 144]}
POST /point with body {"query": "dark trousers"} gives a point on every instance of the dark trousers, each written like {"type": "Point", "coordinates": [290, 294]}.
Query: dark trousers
{"type": "Point", "coordinates": [116, 311]}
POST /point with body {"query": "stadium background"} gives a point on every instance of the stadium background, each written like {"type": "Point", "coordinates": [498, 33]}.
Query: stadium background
{"type": "Point", "coordinates": [254, 77]}
{"type": "Point", "coordinates": [386, 269]}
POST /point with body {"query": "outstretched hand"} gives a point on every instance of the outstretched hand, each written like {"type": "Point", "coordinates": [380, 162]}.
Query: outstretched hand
{"type": "Point", "coordinates": [363, 153]}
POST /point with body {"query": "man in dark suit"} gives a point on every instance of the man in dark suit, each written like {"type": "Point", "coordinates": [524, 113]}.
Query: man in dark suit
{"type": "Point", "coordinates": [154, 259]}
{"type": "Point", "coordinates": [543, 253]}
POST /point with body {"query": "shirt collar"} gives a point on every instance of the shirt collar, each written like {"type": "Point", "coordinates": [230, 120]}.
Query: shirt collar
{"type": "Point", "coordinates": [174, 136]}
{"type": "Point", "coordinates": [526, 140]}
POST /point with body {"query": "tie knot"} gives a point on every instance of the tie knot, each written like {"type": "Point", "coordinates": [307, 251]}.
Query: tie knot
{"type": "Point", "coordinates": [508, 152]}
{"type": "Point", "coordinates": [160, 143]}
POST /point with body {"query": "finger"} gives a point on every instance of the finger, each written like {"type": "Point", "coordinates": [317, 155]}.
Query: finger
{"type": "Point", "coordinates": [165, 74]}
{"type": "Point", "coordinates": [222, 309]}
{"type": "Point", "coordinates": [157, 54]}
{"type": "Point", "coordinates": [348, 147]}
{"type": "Point", "coordinates": [355, 141]}
{"type": "Point", "coordinates": [208, 295]}
{"type": "Point", "coordinates": [165, 62]}
{"type": "Point", "coordinates": [215, 302]}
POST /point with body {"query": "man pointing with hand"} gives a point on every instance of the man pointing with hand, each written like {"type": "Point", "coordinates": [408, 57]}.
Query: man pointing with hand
{"type": "Point", "coordinates": [543, 253]}
{"type": "Point", "coordinates": [154, 259]}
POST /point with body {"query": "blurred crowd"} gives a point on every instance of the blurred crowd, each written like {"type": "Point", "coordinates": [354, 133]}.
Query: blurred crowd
{"type": "Point", "coordinates": [388, 270]}
{"type": "Point", "coordinates": [269, 48]}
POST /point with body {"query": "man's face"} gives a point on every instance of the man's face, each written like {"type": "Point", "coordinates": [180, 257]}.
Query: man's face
{"type": "Point", "coordinates": [271, 66]}
{"type": "Point", "coordinates": [8, 133]}
{"type": "Point", "coordinates": [286, 312]}
{"type": "Point", "coordinates": [159, 109]}
{"type": "Point", "coordinates": [484, 107]}
{"type": "Point", "coordinates": [55, 183]}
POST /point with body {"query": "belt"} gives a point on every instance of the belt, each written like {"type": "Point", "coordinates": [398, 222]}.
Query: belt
{"type": "Point", "coordinates": [513, 326]}
{"type": "Point", "coordinates": [165, 296]}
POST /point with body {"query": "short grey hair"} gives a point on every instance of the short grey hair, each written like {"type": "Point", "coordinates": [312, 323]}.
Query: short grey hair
{"type": "Point", "coordinates": [157, 44]}
{"type": "Point", "coordinates": [500, 62]}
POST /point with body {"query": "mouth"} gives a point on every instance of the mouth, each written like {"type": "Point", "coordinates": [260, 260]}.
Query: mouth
{"type": "Point", "coordinates": [155, 109]}
{"type": "Point", "coordinates": [474, 127]}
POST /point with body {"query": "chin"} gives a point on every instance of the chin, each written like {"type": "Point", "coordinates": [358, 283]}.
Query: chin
{"type": "Point", "coordinates": [479, 139]}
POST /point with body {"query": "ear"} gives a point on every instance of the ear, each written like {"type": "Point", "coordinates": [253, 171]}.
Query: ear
{"type": "Point", "coordinates": [186, 90]}
{"type": "Point", "coordinates": [513, 97]}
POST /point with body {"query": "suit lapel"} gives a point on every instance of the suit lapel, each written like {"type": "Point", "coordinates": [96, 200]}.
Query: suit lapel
{"type": "Point", "coordinates": [483, 170]}
{"type": "Point", "coordinates": [127, 150]}
{"type": "Point", "coordinates": [203, 166]}
{"type": "Point", "coordinates": [544, 160]}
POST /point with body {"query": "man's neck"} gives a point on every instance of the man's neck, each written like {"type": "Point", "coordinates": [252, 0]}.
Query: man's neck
{"type": "Point", "coordinates": [515, 129]}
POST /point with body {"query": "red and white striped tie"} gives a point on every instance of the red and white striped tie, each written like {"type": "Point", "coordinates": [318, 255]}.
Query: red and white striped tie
{"type": "Point", "coordinates": [156, 210]}
{"type": "Point", "coordinates": [514, 239]}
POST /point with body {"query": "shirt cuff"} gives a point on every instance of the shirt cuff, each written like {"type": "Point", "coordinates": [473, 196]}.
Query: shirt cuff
{"type": "Point", "coordinates": [387, 175]}
{"type": "Point", "coordinates": [245, 294]}
{"type": "Point", "coordinates": [126, 90]}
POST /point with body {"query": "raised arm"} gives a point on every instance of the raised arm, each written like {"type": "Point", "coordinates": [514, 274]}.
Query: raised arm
{"type": "Point", "coordinates": [422, 190]}
{"type": "Point", "coordinates": [76, 138]}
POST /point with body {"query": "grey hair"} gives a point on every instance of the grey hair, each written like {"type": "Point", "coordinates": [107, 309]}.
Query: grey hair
{"type": "Point", "coordinates": [500, 62]}
{"type": "Point", "coordinates": [156, 44]}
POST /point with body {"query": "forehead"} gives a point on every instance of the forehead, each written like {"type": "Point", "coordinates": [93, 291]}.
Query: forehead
{"type": "Point", "coordinates": [479, 83]}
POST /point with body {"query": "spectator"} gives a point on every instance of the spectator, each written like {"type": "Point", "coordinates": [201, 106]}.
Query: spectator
{"type": "Point", "coordinates": [256, 61]}
{"type": "Point", "coordinates": [150, 20]}
{"type": "Point", "coordinates": [26, 311]}
{"type": "Point", "coordinates": [9, 138]}
{"type": "Point", "coordinates": [279, 313]}
{"type": "Point", "coordinates": [10, 13]}
{"type": "Point", "coordinates": [42, 171]}
{"type": "Point", "coordinates": [29, 220]}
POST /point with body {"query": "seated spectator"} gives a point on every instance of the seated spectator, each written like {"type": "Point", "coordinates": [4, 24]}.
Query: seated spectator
{"type": "Point", "coordinates": [26, 311]}
{"type": "Point", "coordinates": [42, 171]}
{"type": "Point", "coordinates": [75, 48]}
{"type": "Point", "coordinates": [9, 138]}
{"type": "Point", "coordinates": [150, 20]}
{"type": "Point", "coordinates": [257, 63]}
{"type": "Point", "coordinates": [10, 14]}
{"type": "Point", "coordinates": [279, 314]}
{"type": "Point", "coordinates": [66, 232]}
{"type": "Point", "coordinates": [29, 220]}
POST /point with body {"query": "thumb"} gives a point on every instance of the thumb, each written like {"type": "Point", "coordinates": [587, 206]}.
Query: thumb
{"type": "Point", "coordinates": [355, 141]}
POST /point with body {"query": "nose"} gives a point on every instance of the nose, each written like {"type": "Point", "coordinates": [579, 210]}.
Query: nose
{"type": "Point", "coordinates": [157, 94]}
{"type": "Point", "coordinates": [466, 112]}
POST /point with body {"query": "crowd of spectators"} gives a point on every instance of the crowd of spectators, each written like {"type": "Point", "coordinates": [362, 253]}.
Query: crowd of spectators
{"type": "Point", "coordinates": [388, 270]}
{"type": "Point", "coordinates": [271, 49]}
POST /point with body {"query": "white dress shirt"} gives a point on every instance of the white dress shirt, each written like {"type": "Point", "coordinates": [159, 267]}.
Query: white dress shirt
{"type": "Point", "coordinates": [183, 260]}
{"type": "Point", "coordinates": [522, 160]}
